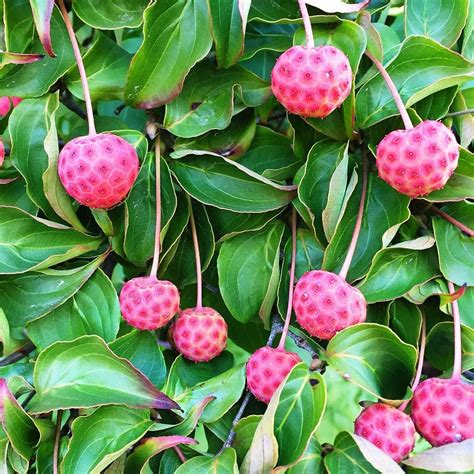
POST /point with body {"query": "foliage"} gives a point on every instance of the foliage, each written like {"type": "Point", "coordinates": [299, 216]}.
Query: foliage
{"type": "Point", "coordinates": [83, 382]}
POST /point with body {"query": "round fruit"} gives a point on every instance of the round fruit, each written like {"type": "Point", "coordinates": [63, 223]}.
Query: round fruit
{"type": "Point", "coordinates": [312, 82]}
{"type": "Point", "coordinates": [443, 411]}
{"type": "Point", "coordinates": [389, 429]}
{"type": "Point", "coordinates": [147, 303]}
{"type": "Point", "coordinates": [266, 369]}
{"type": "Point", "coordinates": [98, 171]}
{"type": "Point", "coordinates": [6, 103]}
{"type": "Point", "coordinates": [325, 303]}
{"type": "Point", "coordinates": [200, 334]}
{"type": "Point", "coordinates": [418, 161]}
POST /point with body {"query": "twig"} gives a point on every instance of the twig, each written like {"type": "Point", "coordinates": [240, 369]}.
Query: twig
{"type": "Point", "coordinates": [67, 101]}
{"type": "Point", "coordinates": [460, 112]}
{"type": "Point", "coordinates": [17, 355]}
{"type": "Point", "coordinates": [455, 222]}
{"type": "Point", "coordinates": [56, 442]}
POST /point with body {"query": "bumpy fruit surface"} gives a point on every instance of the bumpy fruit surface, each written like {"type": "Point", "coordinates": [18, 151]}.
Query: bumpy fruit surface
{"type": "Point", "coordinates": [147, 303]}
{"type": "Point", "coordinates": [443, 411]}
{"type": "Point", "coordinates": [99, 170]}
{"type": "Point", "coordinates": [266, 369]}
{"type": "Point", "coordinates": [312, 82]}
{"type": "Point", "coordinates": [200, 334]}
{"type": "Point", "coordinates": [6, 103]}
{"type": "Point", "coordinates": [325, 303]}
{"type": "Point", "coordinates": [389, 429]}
{"type": "Point", "coordinates": [418, 161]}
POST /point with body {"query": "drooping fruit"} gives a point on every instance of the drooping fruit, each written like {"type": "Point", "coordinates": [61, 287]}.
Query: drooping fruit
{"type": "Point", "coordinates": [418, 161]}
{"type": "Point", "coordinates": [312, 82]}
{"type": "Point", "coordinates": [325, 303]}
{"type": "Point", "coordinates": [389, 429]}
{"type": "Point", "coordinates": [98, 170]}
{"type": "Point", "coordinates": [147, 303]}
{"type": "Point", "coordinates": [443, 410]}
{"type": "Point", "coordinates": [6, 103]}
{"type": "Point", "coordinates": [200, 334]}
{"type": "Point", "coordinates": [266, 369]}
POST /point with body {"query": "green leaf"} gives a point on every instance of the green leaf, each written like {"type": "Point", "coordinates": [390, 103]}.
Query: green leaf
{"type": "Point", "coordinates": [218, 182]}
{"type": "Point", "coordinates": [42, 11]}
{"type": "Point", "coordinates": [94, 309]}
{"type": "Point", "coordinates": [106, 66]}
{"type": "Point", "coordinates": [14, 194]}
{"type": "Point", "coordinates": [207, 99]}
{"type": "Point", "coordinates": [248, 266]}
{"type": "Point", "coordinates": [18, 425]}
{"type": "Point", "coordinates": [374, 358]}
{"type": "Point", "coordinates": [421, 68]}
{"type": "Point", "coordinates": [443, 22]}
{"type": "Point", "coordinates": [111, 15]}
{"type": "Point", "coordinates": [101, 437]}
{"type": "Point", "coordinates": [244, 433]}
{"type": "Point", "coordinates": [226, 387]}
{"type": "Point", "coordinates": [399, 268]}
{"type": "Point", "coordinates": [300, 409]}
{"type": "Point", "coordinates": [436, 106]}
{"type": "Point", "coordinates": [228, 21]}
{"type": "Point", "coordinates": [177, 35]}
{"type": "Point", "coordinates": [324, 178]}
{"type": "Point", "coordinates": [453, 456]}
{"type": "Point", "coordinates": [440, 343]}
{"type": "Point", "coordinates": [347, 457]}
{"type": "Point", "coordinates": [137, 462]}
{"type": "Point", "coordinates": [311, 462]}
{"type": "Point", "coordinates": [271, 155]}
{"type": "Point", "coordinates": [405, 321]}
{"type": "Point", "coordinates": [31, 295]}
{"type": "Point", "coordinates": [224, 463]}
{"type": "Point", "coordinates": [141, 349]}
{"type": "Point", "coordinates": [86, 373]}
{"type": "Point", "coordinates": [19, 26]}
{"type": "Point", "coordinates": [140, 211]}
{"type": "Point", "coordinates": [385, 209]}
{"type": "Point", "coordinates": [29, 243]}
{"type": "Point", "coordinates": [34, 80]}
{"type": "Point", "coordinates": [461, 183]}
{"type": "Point", "coordinates": [455, 249]}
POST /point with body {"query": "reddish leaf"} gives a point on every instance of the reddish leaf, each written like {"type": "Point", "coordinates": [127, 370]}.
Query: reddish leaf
{"type": "Point", "coordinates": [42, 11]}
{"type": "Point", "coordinates": [19, 58]}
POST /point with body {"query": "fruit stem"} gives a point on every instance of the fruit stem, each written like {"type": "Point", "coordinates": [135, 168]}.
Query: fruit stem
{"type": "Point", "coordinates": [307, 24]}
{"type": "Point", "coordinates": [421, 358]}
{"type": "Point", "coordinates": [197, 257]}
{"type": "Point", "coordinates": [56, 442]}
{"type": "Point", "coordinates": [180, 454]}
{"type": "Point", "coordinates": [355, 236]}
{"type": "Point", "coordinates": [457, 336]}
{"type": "Point", "coordinates": [156, 253]}
{"type": "Point", "coordinates": [455, 222]}
{"type": "Point", "coordinates": [80, 66]}
{"type": "Point", "coordinates": [289, 308]}
{"type": "Point", "coordinates": [393, 90]}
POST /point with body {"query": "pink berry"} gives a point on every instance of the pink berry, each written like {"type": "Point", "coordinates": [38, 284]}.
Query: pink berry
{"type": "Point", "coordinates": [98, 171]}
{"type": "Point", "coordinates": [200, 334]}
{"type": "Point", "coordinates": [443, 411]}
{"type": "Point", "coordinates": [147, 303]}
{"type": "Point", "coordinates": [420, 160]}
{"type": "Point", "coordinates": [6, 103]}
{"type": "Point", "coordinates": [389, 429]}
{"type": "Point", "coordinates": [2, 152]}
{"type": "Point", "coordinates": [266, 370]}
{"type": "Point", "coordinates": [312, 82]}
{"type": "Point", "coordinates": [325, 303]}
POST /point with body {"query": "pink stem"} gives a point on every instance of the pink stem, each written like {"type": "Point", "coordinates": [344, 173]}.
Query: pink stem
{"type": "Point", "coordinates": [355, 235]}
{"type": "Point", "coordinates": [156, 254]}
{"type": "Point", "coordinates": [284, 333]}
{"type": "Point", "coordinates": [307, 24]}
{"type": "Point", "coordinates": [197, 257]}
{"type": "Point", "coordinates": [421, 357]}
{"type": "Point", "coordinates": [457, 336]}
{"type": "Point", "coordinates": [80, 66]}
{"type": "Point", "coordinates": [455, 222]}
{"type": "Point", "coordinates": [180, 454]}
{"type": "Point", "coordinates": [393, 90]}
